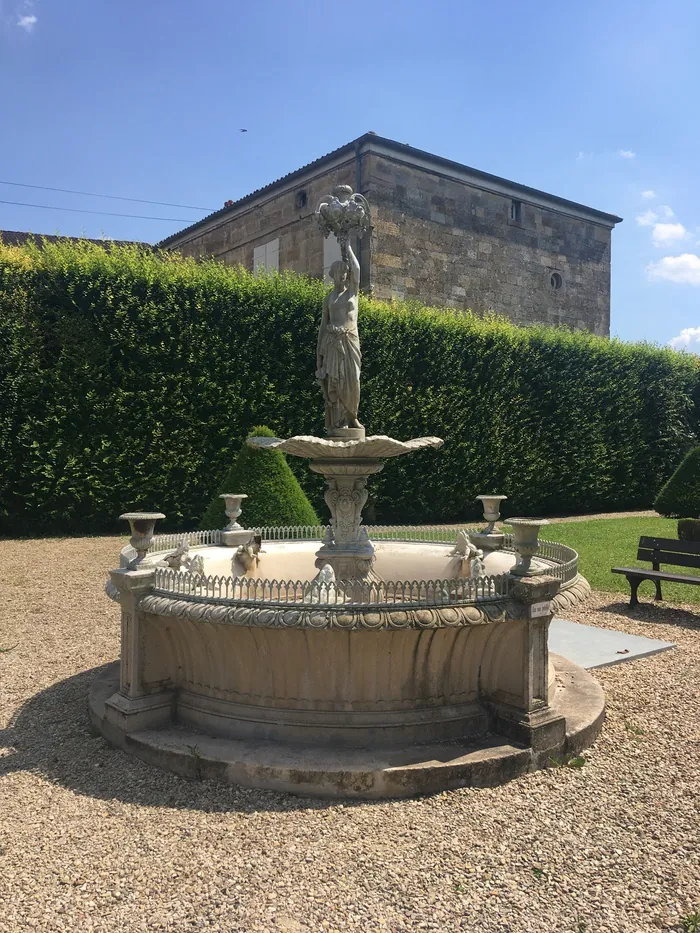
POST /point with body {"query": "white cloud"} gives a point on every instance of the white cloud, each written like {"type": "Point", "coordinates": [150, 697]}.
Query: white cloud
{"type": "Point", "coordinates": [648, 194]}
{"type": "Point", "coordinates": [662, 234]}
{"type": "Point", "coordinates": [684, 269]}
{"type": "Point", "coordinates": [626, 154]}
{"type": "Point", "coordinates": [688, 339]}
{"type": "Point", "coordinates": [27, 22]}
{"type": "Point", "coordinates": [647, 219]}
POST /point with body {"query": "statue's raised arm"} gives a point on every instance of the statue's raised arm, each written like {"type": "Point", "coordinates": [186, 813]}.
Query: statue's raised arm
{"type": "Point", "coordinates": [353, 267]}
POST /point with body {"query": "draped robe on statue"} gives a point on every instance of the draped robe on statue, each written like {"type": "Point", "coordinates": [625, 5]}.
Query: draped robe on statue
{"type": "Point", "coordinates": [338, 355]}
{"type": "Point", "coordinates": [339, 373]}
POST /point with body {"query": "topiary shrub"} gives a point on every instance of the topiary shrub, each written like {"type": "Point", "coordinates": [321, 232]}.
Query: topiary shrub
{"type": "Point", "coordinates": [689, 529]}
{"type": "Point", "coordinates": [274, 494]}
{"type": "Point", "coordinates": [681, 494]}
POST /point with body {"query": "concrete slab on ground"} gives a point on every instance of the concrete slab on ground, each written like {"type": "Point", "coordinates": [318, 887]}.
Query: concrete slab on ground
{"type": "Point", "coordinates": [589, 646]}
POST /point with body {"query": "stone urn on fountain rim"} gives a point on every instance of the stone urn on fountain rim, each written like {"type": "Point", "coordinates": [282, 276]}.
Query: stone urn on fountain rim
{"type": "Point", "coordinates": [489, 538]}
{"type": "Point", "coordinates": [233, 533]}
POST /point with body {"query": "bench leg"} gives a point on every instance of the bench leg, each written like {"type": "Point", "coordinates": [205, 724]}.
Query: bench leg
{"type": "Point", "coordinates": [634, 586]}
{"type": "Point", "coordinates": [658, 596]}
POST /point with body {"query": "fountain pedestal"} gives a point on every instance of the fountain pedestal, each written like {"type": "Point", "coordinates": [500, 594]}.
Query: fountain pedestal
{"type": "Point", "coordinates": [347, 547]}
{"type": "Point", "coordinates": [346, 465]}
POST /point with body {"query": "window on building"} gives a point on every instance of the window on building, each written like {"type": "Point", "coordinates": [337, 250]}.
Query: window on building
{"type": "Point", "coordinates": [331, 252]}
{"type": "Point", "coordinates": [300, 199]}
{"type": "Point", "coordinates": [266, 258]}
{"type": "Point", "coordinates": [516, 211]}
{"type": "Point", "coordinates": [556, 281]}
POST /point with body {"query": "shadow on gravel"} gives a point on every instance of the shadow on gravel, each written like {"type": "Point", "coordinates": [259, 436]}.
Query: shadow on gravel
{"type": "Point", "coordinates": [658, 613]}
{"type": "Point", "coordinates": [52, 736]}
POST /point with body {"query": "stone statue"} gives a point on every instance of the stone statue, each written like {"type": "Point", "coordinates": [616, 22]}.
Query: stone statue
{"type": "Point", "coordinates": [181, 559]}
{"type": "Point", "coordinates": [247, 555]}
{"type": "Point", "coordinates": [195, 565]}
{"type": "Point", "coordinates": [338, 356]}
{"type": "Point", "coordinates": [181, 555]}
{"type": "Point", "coordinates": [324, 586]}
{"type": "Point", "coordinates": [468, 553]}
{"type": "Point", "coordinates": [476, 567]}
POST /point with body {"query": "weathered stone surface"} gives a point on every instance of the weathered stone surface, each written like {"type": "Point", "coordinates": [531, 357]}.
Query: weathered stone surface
{"type": "Point", "coordinates": [471, 244]}
{"type": "Point", "coordinates": [363, 773]}
{"type": "Point", "coordinates": [437, 239]}
{"type": "Point", "coordinates": [301, 242]}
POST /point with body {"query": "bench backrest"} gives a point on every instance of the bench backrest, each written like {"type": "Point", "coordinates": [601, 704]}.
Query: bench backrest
{"type": "Point", "coordinates": [669, 551]}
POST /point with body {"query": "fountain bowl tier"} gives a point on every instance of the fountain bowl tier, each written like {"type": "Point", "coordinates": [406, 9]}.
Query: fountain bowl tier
{"type": "Point", "coordinates": [346, 466]}
{"type": "Point", "coordinates": [422, 680]}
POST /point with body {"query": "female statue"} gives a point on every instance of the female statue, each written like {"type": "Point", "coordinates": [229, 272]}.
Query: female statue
{"type": "Point", "coordinates": [338, 355]}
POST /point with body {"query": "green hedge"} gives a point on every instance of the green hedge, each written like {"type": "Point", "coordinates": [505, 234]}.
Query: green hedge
{"type": "Point", "coordinates": [130, 379]}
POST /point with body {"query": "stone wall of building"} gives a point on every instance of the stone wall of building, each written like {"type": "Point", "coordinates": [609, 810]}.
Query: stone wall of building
{"type": "Point", "coordinates": [283, 216]}
{"type": "Point", "coordinates": [435, 238]}
{"type": "Point", "coordinates": [444, 243]}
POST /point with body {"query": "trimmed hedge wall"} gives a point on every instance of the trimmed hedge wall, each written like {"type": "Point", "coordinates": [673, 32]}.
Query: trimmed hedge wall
{"type": "Point", "coordinates": [129, 379]}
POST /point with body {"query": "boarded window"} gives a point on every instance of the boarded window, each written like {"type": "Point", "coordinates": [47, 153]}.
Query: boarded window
{"type": "Point", "coordinates": [331, 253]}
{"type": "Point", "coordinates": [266, 258]}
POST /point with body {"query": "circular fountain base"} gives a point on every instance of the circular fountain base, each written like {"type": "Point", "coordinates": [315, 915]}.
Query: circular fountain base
{"type": "Point", "coordinates": [322, 771]}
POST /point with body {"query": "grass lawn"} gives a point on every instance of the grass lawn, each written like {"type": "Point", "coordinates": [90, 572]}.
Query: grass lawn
{"type": "Point", "coordinates": [603, 543]}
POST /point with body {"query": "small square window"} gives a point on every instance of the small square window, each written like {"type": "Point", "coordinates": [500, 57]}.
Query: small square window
{"type": "Point", "coordinates": [516, 211]}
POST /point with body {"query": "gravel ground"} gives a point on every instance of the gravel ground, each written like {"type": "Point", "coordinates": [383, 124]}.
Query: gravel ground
{"type": "Point", "coordinates": [91, 839]}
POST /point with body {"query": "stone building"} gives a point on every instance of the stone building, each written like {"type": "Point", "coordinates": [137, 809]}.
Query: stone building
{"type": "Point", "coordinates": [442, 233]}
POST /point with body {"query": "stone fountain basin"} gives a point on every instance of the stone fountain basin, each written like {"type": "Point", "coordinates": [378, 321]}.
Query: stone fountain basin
{"type": "Point", "coordinates": [377, 672]}
{"type": "Point", "coordinates": [276, 674]}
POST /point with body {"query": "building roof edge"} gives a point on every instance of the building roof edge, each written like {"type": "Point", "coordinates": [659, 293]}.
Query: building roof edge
{"type": "Point", "coordinates": [370, 141]}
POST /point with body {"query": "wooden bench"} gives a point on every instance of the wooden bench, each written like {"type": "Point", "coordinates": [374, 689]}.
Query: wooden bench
{"type": "Point", "coordinates": [662, 551]}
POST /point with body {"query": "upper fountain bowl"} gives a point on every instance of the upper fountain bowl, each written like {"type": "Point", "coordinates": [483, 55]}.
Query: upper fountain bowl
{"type": "Point", "coordinates": [376, 447]}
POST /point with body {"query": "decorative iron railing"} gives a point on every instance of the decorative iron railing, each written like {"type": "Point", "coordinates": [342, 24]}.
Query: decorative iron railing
{"type": "Point", "coordinates": [194, 539]}
{"type": "Point", "coordinates": [349, 593]}
{"type": "Point", "coordinates": [562, 563]}
{"type": "Point", "coordinates": [291, 532]}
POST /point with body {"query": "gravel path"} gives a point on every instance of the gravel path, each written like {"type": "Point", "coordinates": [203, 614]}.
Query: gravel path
{"type": "Point", "coordinates": [91, 839]}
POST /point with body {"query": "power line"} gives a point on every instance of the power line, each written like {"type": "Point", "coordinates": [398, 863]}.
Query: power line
{"type": "Point", "coordinates": [78, 210]}
{"type": "Point", "coordinates": [114, 197]}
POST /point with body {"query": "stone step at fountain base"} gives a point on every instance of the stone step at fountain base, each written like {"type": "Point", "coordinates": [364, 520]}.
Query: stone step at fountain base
{"type": "Point", "coordinates": [360, 773]}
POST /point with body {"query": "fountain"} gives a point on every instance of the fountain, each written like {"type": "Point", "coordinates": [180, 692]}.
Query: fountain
{"type": "Point", "coordinates": [345, 660]}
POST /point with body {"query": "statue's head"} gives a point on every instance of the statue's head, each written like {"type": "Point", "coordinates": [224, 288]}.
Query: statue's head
{"type": "Point", "coordinates": [339, 273]}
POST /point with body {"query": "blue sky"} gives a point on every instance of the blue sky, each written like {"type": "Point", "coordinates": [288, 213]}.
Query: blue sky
{"type": "Point", "coordinates": [595, 101]}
